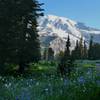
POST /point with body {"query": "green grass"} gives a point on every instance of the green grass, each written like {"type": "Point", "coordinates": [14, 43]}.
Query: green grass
{"type": "Point", "coordinates": [44, 84]}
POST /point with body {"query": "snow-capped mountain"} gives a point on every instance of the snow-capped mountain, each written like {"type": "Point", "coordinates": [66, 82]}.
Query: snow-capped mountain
{"type": "Point", "coordinates": [54, 30]}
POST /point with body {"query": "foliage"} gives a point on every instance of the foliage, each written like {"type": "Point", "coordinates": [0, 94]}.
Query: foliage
{"type": "Point", "coordinates": [94, 49]}
{"type": "Point", "coordinates": [67, 62]}
{"type": "Point", "coordinates": [80, 51]}
{"type": "Point", "coordinates": [90, 51]}
{"type": "Point", "coordinates": [45, 54]}
{"type": "Point", "coordinates": [19, 43]}
{"type": "Point", "coordinates": [75, 52]}
{"type": "Point", "coordinates": [50, 54]}
{"type": "Point", "coordinates": [84, 84]}
{"type": "Point", "coordinates": [59, 56]}
{"type": "Point", "coordinates": [67, 50]}
{"type": "Point", "coordinates": [85, 51]}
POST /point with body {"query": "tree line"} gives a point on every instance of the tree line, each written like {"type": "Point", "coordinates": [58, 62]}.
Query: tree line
{"type": "Point", "coordinates": [82, 51]}
{"type": "Point", "coordinates": [66, 59]}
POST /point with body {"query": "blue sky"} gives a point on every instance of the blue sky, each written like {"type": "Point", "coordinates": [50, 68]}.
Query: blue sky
{"type": "Point", "coordinates": [86, 11]}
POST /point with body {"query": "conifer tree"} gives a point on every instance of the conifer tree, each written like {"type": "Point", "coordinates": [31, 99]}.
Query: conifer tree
{"type": "Point", "coordinates": [59, 56]}
{"type": "Point", "coordinates": [45, 54]}
{"type": "Point", "coordinates": [95, 51]}
{"type": "Point", "coordinates": [90, 51]}
{"type": "Point", "coordinates": [66, 64]}
{"type": "Point", "coordinates": [85, 52]}
{"type": "Point", "coordinates": [67, 50]}
{"type": "Point", "coordinates": [50, 54]}
{"type": "Point", "coordinates": [81, 51]}
{"type": "Point", "coordinates": [19, 43]}
{"type": "Point", "coordinates": [75, 52]}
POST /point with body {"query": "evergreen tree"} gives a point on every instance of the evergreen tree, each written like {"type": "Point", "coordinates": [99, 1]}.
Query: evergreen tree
{"type": "Point", "coordinates": [66, 64]}
{"type": "Point", "coordinates": [81, 50]}
{"type": "Point", "coordinates": [50, 54]}
{"type": "Point", "coordinates": [75, 52]}
{"type": "Point", "coordinates": [45, 54]}
{"type": "Point", "coordinates": [59, 56]}
{"type": "Point", "coordinates": [90, 51]}
{"type": "Point", "coordinates": [95, 51]}
{"type": "Point", "coordinates": [67, 50]}
{"type": "Point", "coordinates": [85, 52]}
{"type": "Point", "coordinates": [19, 43]}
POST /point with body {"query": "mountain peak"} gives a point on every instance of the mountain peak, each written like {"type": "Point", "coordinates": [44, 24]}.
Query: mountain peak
{"type": "Point", "coordinates": [54, 29]}
{"type": "Point", "coordinates": [55, 18]}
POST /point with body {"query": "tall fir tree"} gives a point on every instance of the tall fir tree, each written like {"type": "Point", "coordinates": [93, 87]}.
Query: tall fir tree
{"type": "Point", "coordinates": [85, 51]}
{"type": "Point", "coordinates": [67, 50]}
{"type": "Point", "coordinates": [96, 50]}
{"type": "Point", "coordinates": [75, 52]}
{"type": "Point", "coordinates": [90, 51]}
{"type": "Point", "coordinates": [45, 54]}
{"type": "Point", "coordinates": [50, 54]}
{"type": "Point", "coordinates": [66, 63]}
{"type": "Point", "coordinates": [19, 43]}
{"type": "Point", "coordinates": [59, 56]}
{"type": "Point", "coordinates": [81, 49]}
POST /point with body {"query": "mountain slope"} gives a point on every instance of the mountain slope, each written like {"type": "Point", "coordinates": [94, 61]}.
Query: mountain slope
{"type": "Point", "coordinates": [54, 30]}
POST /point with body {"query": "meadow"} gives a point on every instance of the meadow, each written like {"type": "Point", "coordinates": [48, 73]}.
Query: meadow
{"type": "Point", "coordinates": [44, 84]}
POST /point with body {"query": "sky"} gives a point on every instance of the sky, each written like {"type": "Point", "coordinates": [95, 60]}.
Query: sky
{"type": "Point", "coordinates": [86, 11]}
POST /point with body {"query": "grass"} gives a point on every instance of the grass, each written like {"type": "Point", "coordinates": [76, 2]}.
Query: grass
{"type": "Point", "coordinates": [88, 63]}
{"type": "Point", "coordinates": [44, 84]}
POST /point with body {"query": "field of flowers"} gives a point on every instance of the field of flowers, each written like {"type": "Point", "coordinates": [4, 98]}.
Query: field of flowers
{"type": "Point", "coordinates": [84, 84]}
